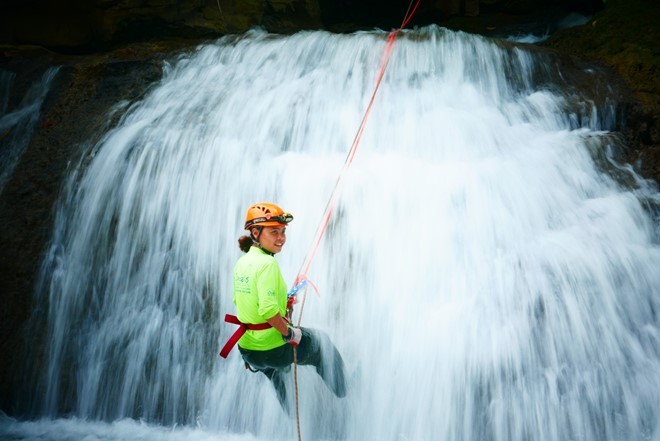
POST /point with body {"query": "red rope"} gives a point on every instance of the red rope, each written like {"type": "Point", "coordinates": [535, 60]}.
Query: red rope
{"type": "Point", "coordinates": [334, 196]}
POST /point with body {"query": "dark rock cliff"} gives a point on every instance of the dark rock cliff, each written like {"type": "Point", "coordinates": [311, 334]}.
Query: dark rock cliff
{"type": "Point", "coordinates": [83, 93]}
{"type": "Point", "coordinates": [81, 25]}
{"type": "Point", "coordinates": [624, 37]}
{"type": "Point", "coordinates": [111, 51]}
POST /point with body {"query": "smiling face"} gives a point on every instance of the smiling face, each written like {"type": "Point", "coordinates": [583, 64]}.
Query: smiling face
{"type": "Point", "coordinates": [271, 238]}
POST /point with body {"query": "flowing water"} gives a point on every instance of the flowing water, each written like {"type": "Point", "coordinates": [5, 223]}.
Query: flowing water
{"type": "Point", "coordinates": [17, 125]}
{"type": "Point", "coordinates": [483, 278]}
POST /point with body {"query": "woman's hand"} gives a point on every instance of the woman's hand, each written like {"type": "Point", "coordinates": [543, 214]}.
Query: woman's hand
{"type": "Point", "coordinates": [290, 334]}
{"type": "Point", "coordinates": [294, 336]}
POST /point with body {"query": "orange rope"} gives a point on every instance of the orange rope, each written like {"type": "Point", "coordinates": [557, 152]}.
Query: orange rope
{"type": "Point", "coordinates": [334, 196]}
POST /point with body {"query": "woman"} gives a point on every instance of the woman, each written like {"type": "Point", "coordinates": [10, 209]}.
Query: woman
{"type": "Point", "coordinates": [260, 296]}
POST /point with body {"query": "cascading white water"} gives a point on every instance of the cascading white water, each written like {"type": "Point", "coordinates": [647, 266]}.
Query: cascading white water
{"type": "Point", "coordinates": [481, 277]}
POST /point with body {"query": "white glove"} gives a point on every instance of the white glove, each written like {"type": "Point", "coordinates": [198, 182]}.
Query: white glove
{"type": "Point", "coordinates": [294, 336]}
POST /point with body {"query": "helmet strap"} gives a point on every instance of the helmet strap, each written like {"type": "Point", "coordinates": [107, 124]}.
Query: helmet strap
{"type": "Point", "coordinates": [255, 240]}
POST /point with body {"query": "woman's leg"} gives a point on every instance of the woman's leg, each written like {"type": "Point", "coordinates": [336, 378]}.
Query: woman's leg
{"type": "Point", "coordinates": [317, 349]}
{"type": "Point", "coordinates": [276, 377]}
{"type": "Point", "coordinates": [273, 364]}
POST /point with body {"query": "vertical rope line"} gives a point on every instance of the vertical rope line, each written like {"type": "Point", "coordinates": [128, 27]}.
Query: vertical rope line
{"type": "Point", "coordinates": [334, 196]}
{"type": "Point", "coordinates": [295, 382]}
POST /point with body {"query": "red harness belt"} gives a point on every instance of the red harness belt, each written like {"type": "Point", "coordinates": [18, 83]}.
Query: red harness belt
{"type": "Point", "coordinates": [242, 329]}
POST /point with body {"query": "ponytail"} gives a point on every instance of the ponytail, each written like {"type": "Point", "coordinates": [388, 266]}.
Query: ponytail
{"type": "Point", "coordinates": [244, 243]}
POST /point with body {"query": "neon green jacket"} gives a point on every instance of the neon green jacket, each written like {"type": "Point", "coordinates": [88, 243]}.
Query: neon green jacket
{"type": "Point", "coordinates": [259, 293]}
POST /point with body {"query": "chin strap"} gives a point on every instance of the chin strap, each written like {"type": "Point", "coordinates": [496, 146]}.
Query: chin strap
{"type": "Point", "coordinates": [255, 241]}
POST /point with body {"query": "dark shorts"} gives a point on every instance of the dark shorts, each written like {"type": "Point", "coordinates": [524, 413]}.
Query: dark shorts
{"type": "Point", "coordinates": [315, 349]}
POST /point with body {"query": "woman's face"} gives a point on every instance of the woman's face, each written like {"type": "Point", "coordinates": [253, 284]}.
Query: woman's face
{"type": "Point", "coordinates": [273, 238]}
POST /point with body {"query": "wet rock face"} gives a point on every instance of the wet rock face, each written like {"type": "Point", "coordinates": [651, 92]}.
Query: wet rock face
{"type": "Point", "coordinates": [86, 88]}
{"type": "Point", "coordinates": [83, 25]}
{"type": "Point", "coordinates": [77, 111]}
{"type": "Point", "coordinates": [623, 37]}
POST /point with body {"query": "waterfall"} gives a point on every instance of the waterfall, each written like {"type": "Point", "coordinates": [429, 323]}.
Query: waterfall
{"type": "Point", "coordinates": [18, 125]}
{"type": "Point", "coordinates": [484, 278]}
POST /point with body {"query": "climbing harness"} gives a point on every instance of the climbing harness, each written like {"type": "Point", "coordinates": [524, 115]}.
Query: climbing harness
{"type": "Point", "coordinates": [242, 329]}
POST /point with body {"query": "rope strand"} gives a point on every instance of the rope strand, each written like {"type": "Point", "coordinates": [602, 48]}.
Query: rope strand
{"type": "Point", "coordinates": [334, 196]}
{"type": "Point", "coordinates": [295, 382]}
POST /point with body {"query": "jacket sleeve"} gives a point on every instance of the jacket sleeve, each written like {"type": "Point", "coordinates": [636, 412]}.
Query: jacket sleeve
{"type": "Point", "coordinates": [267, 288]}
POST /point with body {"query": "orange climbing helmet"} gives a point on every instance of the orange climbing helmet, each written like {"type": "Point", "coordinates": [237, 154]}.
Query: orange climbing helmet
{"type": "Point", "coordinates": [266, 214]}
